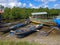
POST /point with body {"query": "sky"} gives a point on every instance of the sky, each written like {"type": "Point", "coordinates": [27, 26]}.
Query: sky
{"type": "Point", "coordinates": [31, 3]}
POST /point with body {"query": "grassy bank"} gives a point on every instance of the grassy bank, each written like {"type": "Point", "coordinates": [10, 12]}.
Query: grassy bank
{"type": "Point", "coordinates": [17, 43]}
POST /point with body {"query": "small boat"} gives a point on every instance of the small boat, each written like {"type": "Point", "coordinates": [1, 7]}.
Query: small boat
{"type": "Point", "coordinates": [42, 21]}
{"type": "Point", "coordinates": [23, 34]}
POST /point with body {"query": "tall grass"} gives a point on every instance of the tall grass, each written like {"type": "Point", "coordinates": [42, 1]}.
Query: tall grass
{"type": "Point", "coordinates": [17, 43]}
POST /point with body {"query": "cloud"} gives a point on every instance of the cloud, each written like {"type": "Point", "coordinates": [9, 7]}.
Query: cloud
{"type": "Point", "coordinates": [17, 3]}
{"type": "Point", "coordinates": [56, 6]}
{"type": "Point", "coordinates": [7, 1]}
{"type": "Point", "coordinates": [41, 0]}
{"type": "Point", "coordinates": [52, 0]}
{"type": "Point", "coordinates": [10, 3]}
{"type": "Point", "coordinates": [45, 0]}
{"type": "Point", "coordinates": [30, 4]}
{"type": "Point", "coordinates": [24, 4]}
{"type": "Point", "coordinates": [33, 6]}
{"type": "Point", "coordinates": [36, 7]}
{"type": "Point", "coordinates": [45, 6]}
{"type": "Point", "coordinates": [3, 1]}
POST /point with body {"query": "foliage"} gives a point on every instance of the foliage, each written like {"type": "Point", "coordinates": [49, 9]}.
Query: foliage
{"type": "Point", "coordinates": [22, 13]}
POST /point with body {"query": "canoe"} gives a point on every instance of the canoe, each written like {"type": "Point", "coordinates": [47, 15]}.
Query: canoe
{"type": "Point", "coordinates": [19, 25]}
{"type": "Point", "coordinates": [22, 35]}
{"type": "Point", "coordinates": [3, 24]}
{"type": "Point", "coordinates": [26, 33]}
{"type": "Point", "coordinates": [42, 21]}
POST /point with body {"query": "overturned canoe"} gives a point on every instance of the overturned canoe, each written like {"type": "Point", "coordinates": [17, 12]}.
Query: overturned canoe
{"type": "Point", "coordinates": [4, 25]}
{"type": "Point", "coordinates": [24, 33]}
{"type": "Point", "coordinates": [14, 23]}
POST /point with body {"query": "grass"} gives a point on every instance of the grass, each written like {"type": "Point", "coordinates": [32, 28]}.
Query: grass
{"type": "Point", "coordinates": [17, 43]}
{"type": "Point", "coordinates": [21, 20]}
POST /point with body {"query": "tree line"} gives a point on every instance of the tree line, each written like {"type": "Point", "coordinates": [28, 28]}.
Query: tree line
{"type": "Point", "coordinates": [22, 13]}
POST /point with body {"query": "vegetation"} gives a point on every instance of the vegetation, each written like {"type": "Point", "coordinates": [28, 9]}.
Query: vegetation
{"type": "Point", "coordinates": [17, 43]}
{"type": "Point", "coordinates": [22, 13]}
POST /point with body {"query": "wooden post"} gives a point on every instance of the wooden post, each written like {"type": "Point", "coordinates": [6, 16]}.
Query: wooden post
{"type": "Point", "coordinates": [1, 11]}
{"type": "Point", "coordinates": [50, 31]}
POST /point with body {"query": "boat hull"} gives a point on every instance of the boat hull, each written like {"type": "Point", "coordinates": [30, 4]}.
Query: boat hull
{"type": "Point", "coordinates": [24, 34]}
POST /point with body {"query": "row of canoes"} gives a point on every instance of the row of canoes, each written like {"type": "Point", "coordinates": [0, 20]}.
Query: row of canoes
{"type": "Point", "coordinates": [14, 27]}
{"type": "Point", "coordinates": [23, 33]}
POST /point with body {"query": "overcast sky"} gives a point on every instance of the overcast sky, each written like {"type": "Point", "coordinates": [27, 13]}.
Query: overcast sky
{"type": "Point", "coordinates": [31, 3]}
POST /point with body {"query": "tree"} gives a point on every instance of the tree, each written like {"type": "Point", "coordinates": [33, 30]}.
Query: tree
{"type": "Point", "coordinates": [7, 14]}
{"type": "Point", "coordinates": [22, 13]}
